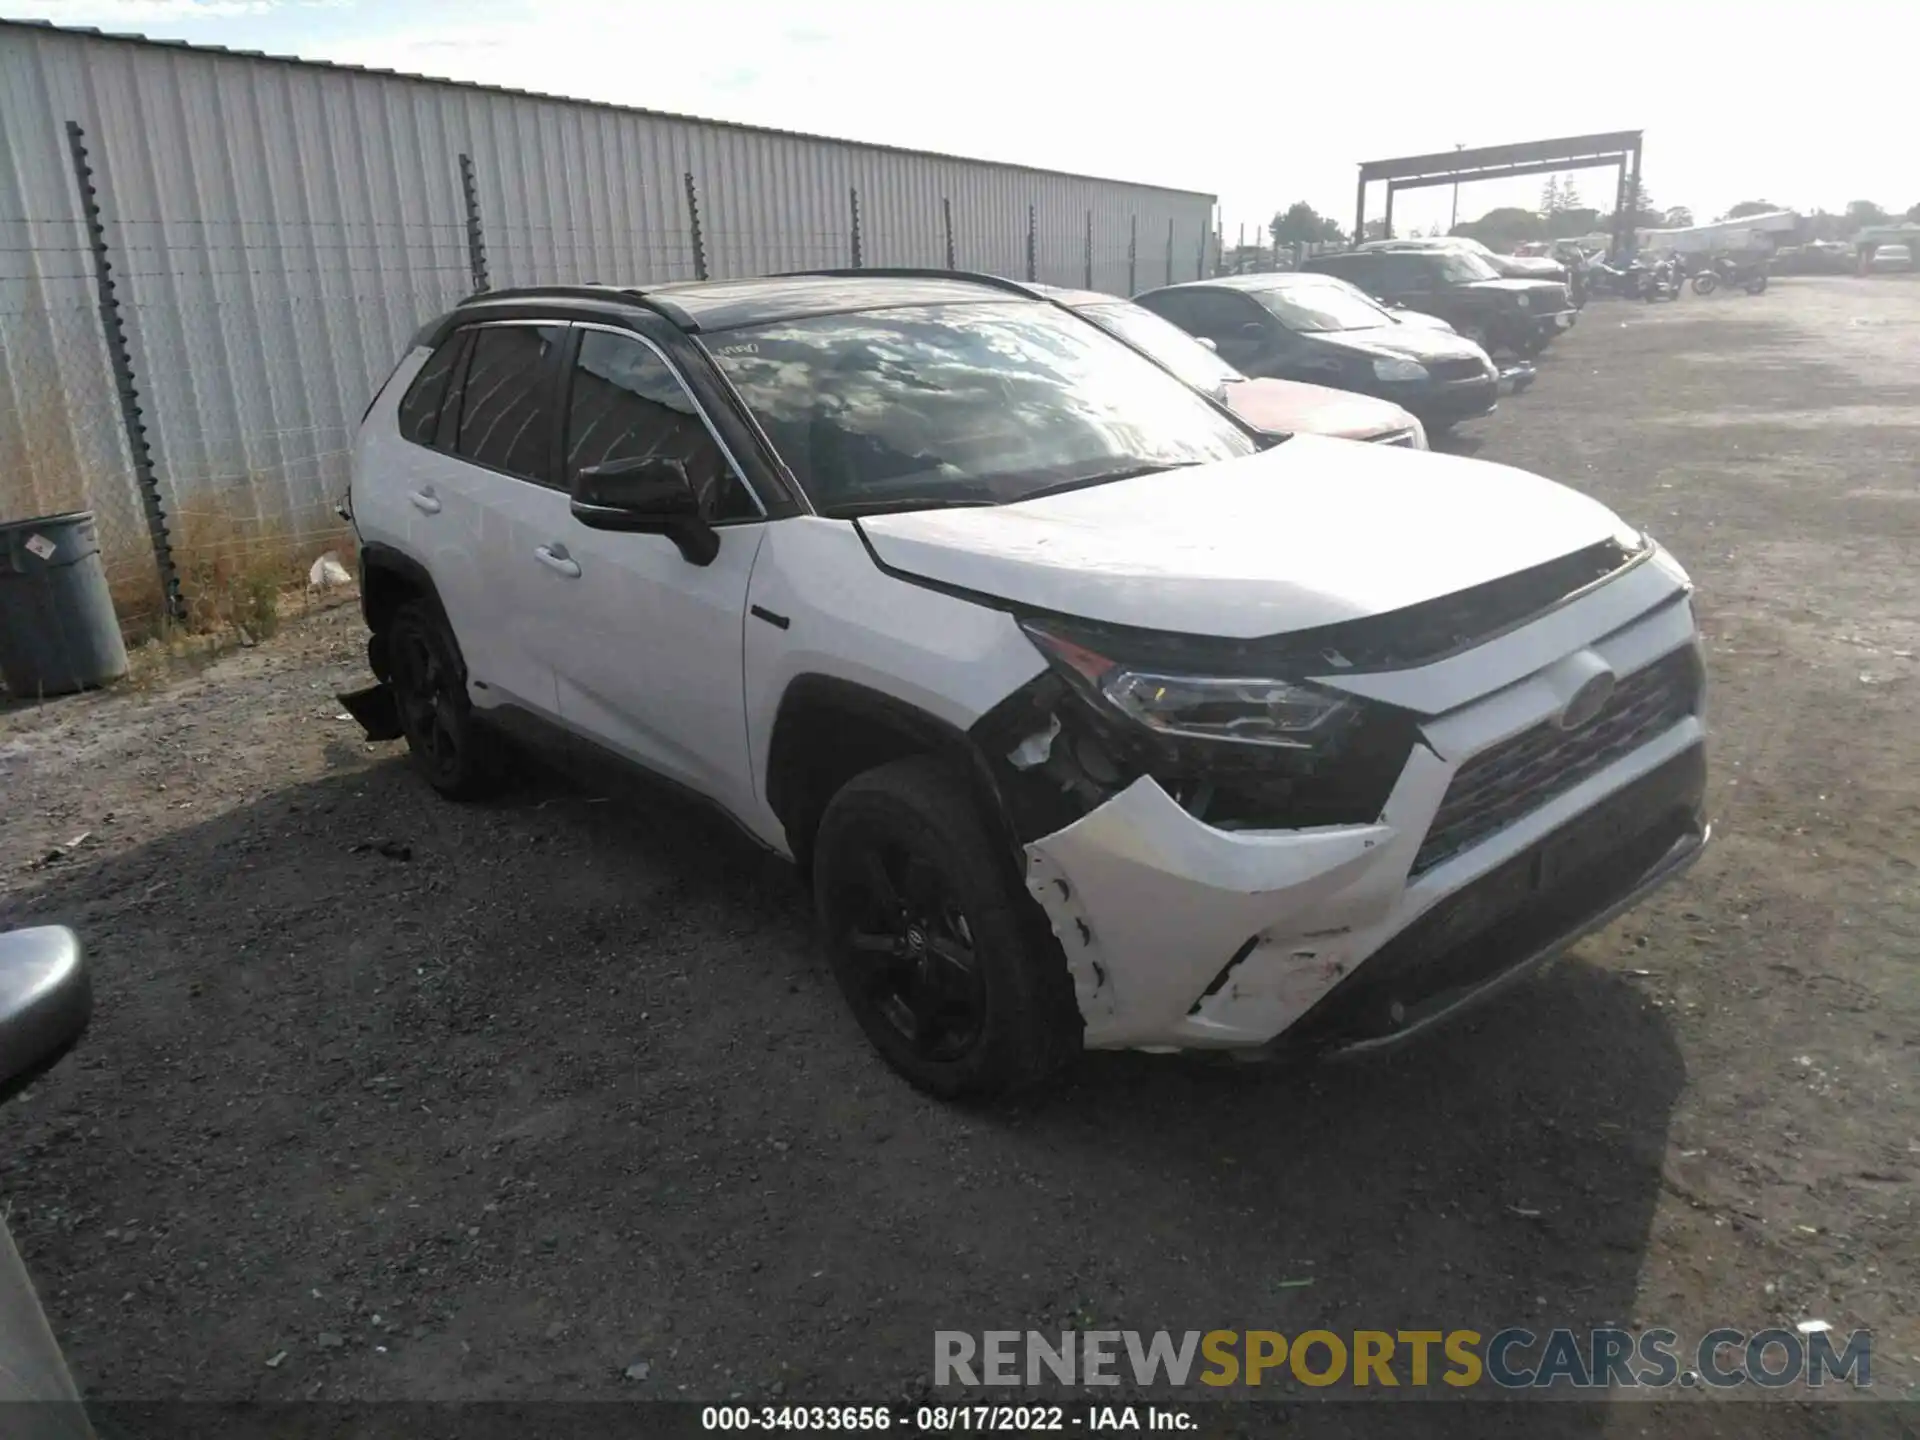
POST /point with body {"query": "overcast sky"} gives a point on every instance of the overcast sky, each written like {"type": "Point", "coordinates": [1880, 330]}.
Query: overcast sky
{"type": "Point", "coordinates": [1260, 103]}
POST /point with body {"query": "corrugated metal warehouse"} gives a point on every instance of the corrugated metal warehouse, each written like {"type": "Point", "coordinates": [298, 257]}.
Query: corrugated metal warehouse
{"type": "Point", "coordinates": [276, 228]}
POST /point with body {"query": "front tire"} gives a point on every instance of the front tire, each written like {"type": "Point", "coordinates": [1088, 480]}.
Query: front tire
{"type": "Point", "coordinates": [448, 744]}
{"type": "Point", "coordinates": [945, 961]}
{"type": "Point", "coordinates": [1705, 282]}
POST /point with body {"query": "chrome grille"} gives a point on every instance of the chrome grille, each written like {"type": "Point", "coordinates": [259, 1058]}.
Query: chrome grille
{"type": "Point", "coordinates": [1499, 786]}
{"type": "Point", "coordinates": [1464, 368]}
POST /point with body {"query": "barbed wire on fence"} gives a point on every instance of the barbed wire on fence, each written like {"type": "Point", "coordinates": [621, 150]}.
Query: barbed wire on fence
{"type": "Point", "coordinates": [257, 340]}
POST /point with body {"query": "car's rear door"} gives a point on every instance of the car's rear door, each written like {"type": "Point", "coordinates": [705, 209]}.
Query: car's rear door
{"type": "Point", "coordinates": [648, 646]}
{"type": "Point", "coordinates": [496, 493]}
{"type": "Point", "coordinates": [1416, 280]}
{"type": "Point", "coordinates": [1243, 332]}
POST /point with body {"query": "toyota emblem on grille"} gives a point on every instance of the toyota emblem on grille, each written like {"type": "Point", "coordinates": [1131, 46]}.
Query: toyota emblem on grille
{"type": "Point", "coordinates": [1588, 701]}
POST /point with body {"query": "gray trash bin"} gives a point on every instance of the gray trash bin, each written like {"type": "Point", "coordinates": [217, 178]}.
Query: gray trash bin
{"type": "Point", "coordinates": [58, 632]}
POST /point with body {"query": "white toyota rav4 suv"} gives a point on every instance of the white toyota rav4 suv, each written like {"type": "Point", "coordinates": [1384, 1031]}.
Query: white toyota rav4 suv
{"type": "Point", "coordinates": [1095, 718]}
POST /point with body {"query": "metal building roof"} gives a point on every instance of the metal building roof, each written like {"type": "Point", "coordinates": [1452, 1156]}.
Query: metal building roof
{"type": "Point", "coordinates": [131, 38]}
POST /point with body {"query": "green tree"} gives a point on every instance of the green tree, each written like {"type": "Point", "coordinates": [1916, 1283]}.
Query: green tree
{"type": "Point", "coordinates": [1505, 227]}
{"type": "Point", "coordinates": [1646, 216]}
{"type": "Point", "coordinates": [1301, 224]}
{"type": "Point", "coordinates": [1861, 213]}
{"type": "Point", "coordinates": [1824, 225]}
{"type": "Point", "coordinates": [1569, 223]}
{"type": "Point", "coordinates": [1679, 217]}
{"type": "Point", "coordinates": [1550, 195]}
{"type": "Point", "coordinates": [1913, 212]}
{"type": "Point", "coordinates": [1751, 207]}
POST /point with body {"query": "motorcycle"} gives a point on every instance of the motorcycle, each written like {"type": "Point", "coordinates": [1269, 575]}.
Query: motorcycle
{"type": "Point", "coordinates": [1667, 279]}
{"type": "Point", "coordinates": [45, 1001]}
{"type": "Point", "coordinates": [1728, 273]}
{"type": "Point", "coordinates": [1634, 281]}
{"type": "Point", "coordinates": [1620, 281]}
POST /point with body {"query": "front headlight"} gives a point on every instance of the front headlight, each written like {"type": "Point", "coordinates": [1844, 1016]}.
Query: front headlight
{"type": "Point", "coordinates": [1399, 370]}
{"type": "Point", "coordinates": [1229, 709]}
{"type": "Point", "coordinates": [1522, 301]}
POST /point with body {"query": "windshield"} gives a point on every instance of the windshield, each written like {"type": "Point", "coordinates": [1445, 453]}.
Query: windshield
{"type": "Point", "coordinates": [1321, 305]}
{"type": "Point", "coordinates": [1460, 266]}
{"type": "Point", "coordinates": [1167, 343]}
{"type": "Point", "coordinates": [979, 404]}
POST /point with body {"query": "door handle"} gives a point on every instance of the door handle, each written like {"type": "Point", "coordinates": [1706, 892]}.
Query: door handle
{"type": "Point", "coordinates": [555, 557]}
{"type": "Point", "coordinates": [425, 502]}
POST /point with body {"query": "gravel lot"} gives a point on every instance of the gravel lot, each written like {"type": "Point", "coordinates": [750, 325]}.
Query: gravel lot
{"type": "Point", "coordinates": [545, 1090]}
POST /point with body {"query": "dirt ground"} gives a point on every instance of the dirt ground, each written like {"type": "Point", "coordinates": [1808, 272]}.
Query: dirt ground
{"type": "Point", "coordinates": [499, 1102]}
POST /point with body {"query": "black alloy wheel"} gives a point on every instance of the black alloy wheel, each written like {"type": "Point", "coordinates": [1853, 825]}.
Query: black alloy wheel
{"type": "Point", "coordinates": [945, 960]}
{"type": "Point", "coordinates": [910, 950]}
{"type": "Point", "coordinates": [429, 692]}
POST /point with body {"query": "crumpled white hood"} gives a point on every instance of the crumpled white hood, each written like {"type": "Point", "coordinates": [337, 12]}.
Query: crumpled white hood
{"type": "Point", "coordinates": [1312, 532]}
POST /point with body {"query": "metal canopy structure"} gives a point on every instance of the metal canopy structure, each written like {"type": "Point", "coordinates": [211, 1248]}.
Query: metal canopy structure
{"type": "Point", "coordinates": [1619, 148]}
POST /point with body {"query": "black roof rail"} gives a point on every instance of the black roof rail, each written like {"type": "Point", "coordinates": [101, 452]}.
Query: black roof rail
{"type": "Point", "coordinates": [913, 272]}
{"type": "Point", "coordinates": [588, 291]}
{"type": "Point", "coordinates": [584, 291]}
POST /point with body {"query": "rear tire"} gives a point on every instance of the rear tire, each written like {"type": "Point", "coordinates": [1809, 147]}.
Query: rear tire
{"type": "Point", "coordinates": [458, 756]}
{"type": "Point", "coordinates": [1705, 282]}
{"type": "Point", "coordinates": [944, 959]}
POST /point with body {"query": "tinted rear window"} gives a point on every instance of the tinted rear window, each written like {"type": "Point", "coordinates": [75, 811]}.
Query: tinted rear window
{"type": "Point", "coordinates": [506, 414]}
{"type": "Point", "coordinates": [420, 406]}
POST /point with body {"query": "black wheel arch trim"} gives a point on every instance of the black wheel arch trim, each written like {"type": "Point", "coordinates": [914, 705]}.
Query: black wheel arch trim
{"type": "Point", "coordinates": [379, 559]}
{"type": "Point", "coordinates": [798, 805]}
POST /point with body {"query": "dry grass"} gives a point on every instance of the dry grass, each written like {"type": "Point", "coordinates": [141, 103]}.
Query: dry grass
{"type": "Point", "coordinates": [237, 572]}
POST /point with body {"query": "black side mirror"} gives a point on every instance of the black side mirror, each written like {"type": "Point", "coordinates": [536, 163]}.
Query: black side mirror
{"type": "Point", "coordinates": [646, 496]}
{"type": "Point", "coordinates": [46, 999]}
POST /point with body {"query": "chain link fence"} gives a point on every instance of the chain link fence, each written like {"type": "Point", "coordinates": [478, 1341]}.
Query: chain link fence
{"type": "Point", "coordinates": [62, 444]}
{"type": "Point", "coordinates": [252, 346]}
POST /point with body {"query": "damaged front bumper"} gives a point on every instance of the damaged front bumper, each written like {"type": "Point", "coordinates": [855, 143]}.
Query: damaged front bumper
{"type": "Point", "coordinates": [1180, 935]}
{"type": "Point", "coordinates": [1183, 937]}
{"type": "Point", "coordinates": [375, 709]}
{"type": "Point", "coordinates": [1516, 377]}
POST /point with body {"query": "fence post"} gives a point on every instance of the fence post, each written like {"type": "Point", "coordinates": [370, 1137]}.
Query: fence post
{"type": "Point", "coordinates": [1133, 255]}
{"type": "Point", "coordinates": [1200, 263]}
{"type": "Point", "coordinates": [693, 218]}
{"type": "Point", "coordinates": [120, 358]}
{"type": "Point", "coordinates": [1170, 249]}
{"type": "Point", "coordinates": [1032, 270]}
{"type": "Point", "coordinates": [946, 217]}
{"type": "Point", "coordinates": [853, 200]}
{"type": "Point", "coordinates": [476, 238]}
{"type": "Point", "coordinates": [1089, 250]}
